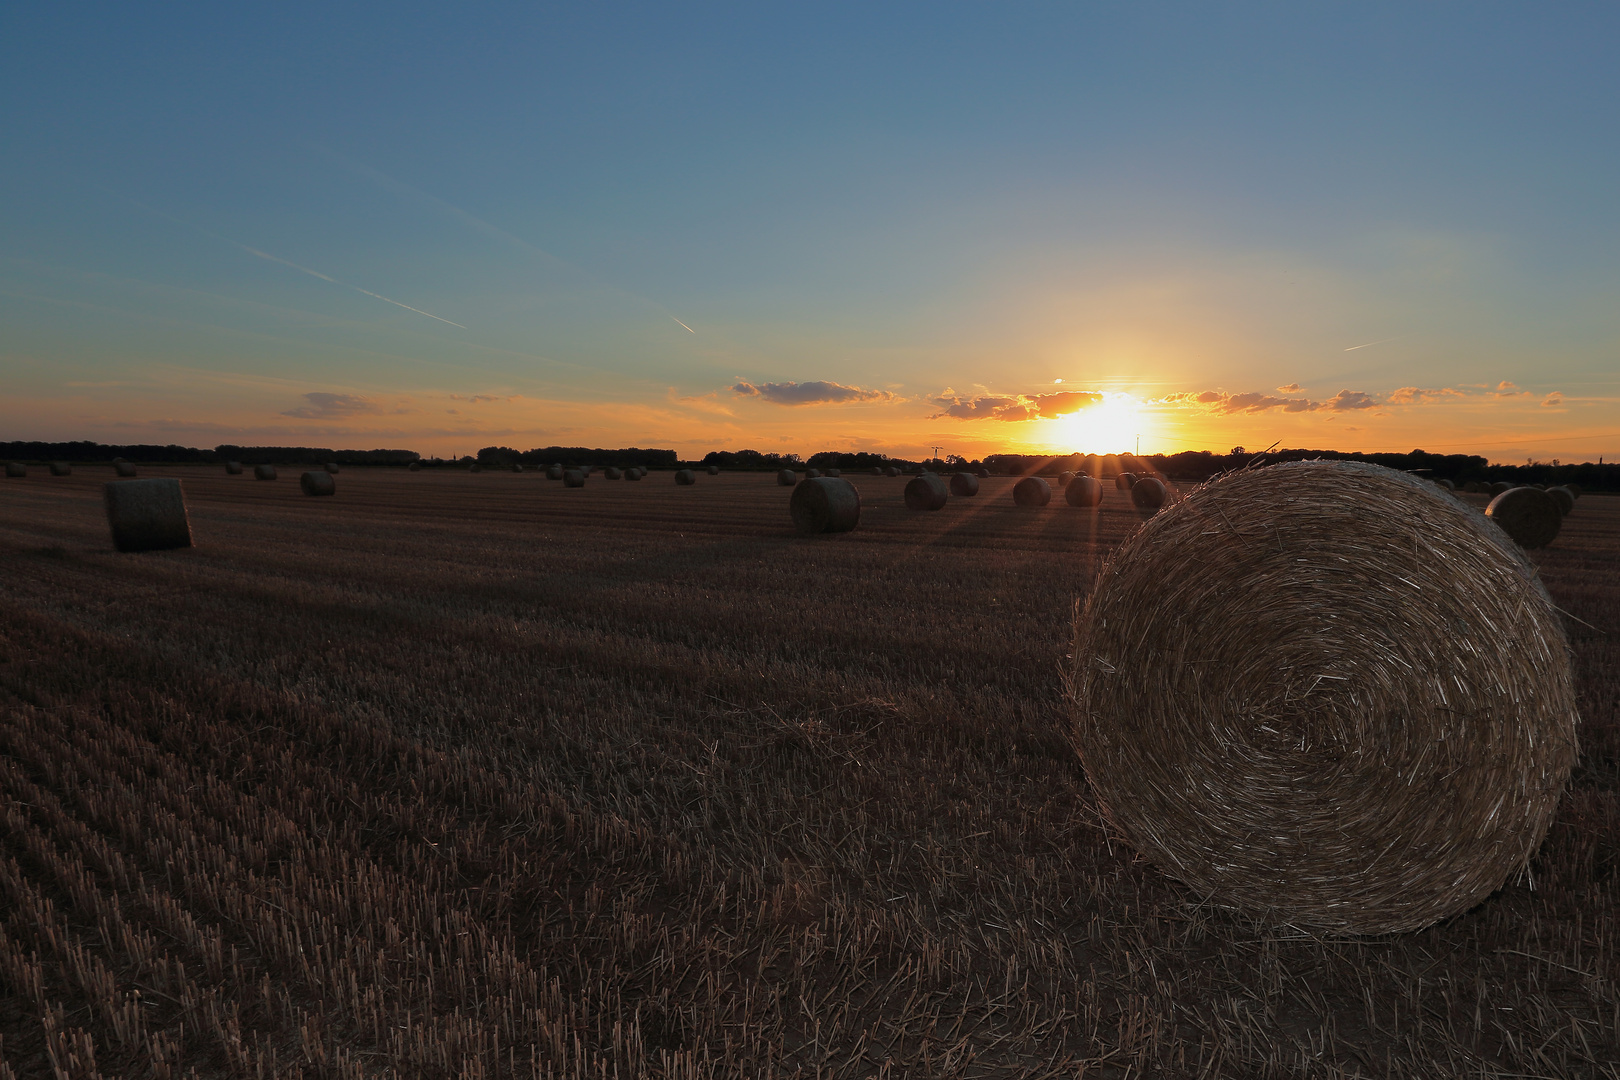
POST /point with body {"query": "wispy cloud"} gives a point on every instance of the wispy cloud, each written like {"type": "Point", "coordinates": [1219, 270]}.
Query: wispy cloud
{"type": "Point", "coordinates": [1291, 388]}
{"type": "Point", "coordinates": [1218, 401]}
{"type": "Point", "coordinates": [1553, 400]}
{"type": "Point", "coordinates": [324, 406]}
{"type": "Point", "coordinates": [809, 393]}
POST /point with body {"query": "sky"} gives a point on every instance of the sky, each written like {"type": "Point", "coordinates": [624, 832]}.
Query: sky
{"type": "Point", "coordinates": [800, 227]}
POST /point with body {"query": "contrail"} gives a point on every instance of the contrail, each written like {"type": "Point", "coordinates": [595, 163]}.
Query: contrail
{"type": "Point", "coordinates": [335, 281]}
{"type": "Point", "coordinates": [1380, 341]}
{"type": "Point", "coordinates": [688, 328]}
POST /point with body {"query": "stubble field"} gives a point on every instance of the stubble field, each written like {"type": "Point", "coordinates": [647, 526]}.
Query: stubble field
{"type": "Point", "coordinates": [460, 775]}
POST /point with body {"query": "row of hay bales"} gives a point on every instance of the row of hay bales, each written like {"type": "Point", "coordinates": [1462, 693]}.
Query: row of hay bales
{"type": "Point", "coordinates": [1532, 516]}
{"type": "Point", "coordinates": [930, 491]}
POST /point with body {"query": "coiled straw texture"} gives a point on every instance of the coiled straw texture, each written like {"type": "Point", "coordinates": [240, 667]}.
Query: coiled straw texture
{"type": "Point", "coordinates": [1325, 694]}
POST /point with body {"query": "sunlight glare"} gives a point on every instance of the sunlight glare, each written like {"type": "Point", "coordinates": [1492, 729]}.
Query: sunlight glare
{"type": "Point", "coordinates": [1109, 427]}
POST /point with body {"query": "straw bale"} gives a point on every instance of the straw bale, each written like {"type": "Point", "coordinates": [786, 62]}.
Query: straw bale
{"type": "Point", "coordinates": [61, 468]}
{"type": "Point", "coordinates": [825, 504]}
{"type": "Point", "coordinates": [877, 470]}
{"type": "Point", "coordinates": [926, 492]}
{"type": "Point", "coordinates": [685, 477]}
{"type": "Point", "coordinates": [786, 478]}
{"type": "Point", "coordinates": [264, 472]}
{"type": "Point", "coordinates": [1498, 487]}
{"type": "Point", "coordinates": [554, 472]}
{"type": "Point", "coordinates": [964, 483]}
{"type": "Point", "coordinates": [1447, 484]}
{"type": "Point", "coordinates": [982, 473]}
{"type": "Point", "coordinates": [16, 468]}
{"type": "Point", "coordinates": [317, 483]}
{"type": "Point", "coordinates": [812, 473]}
{"type": "Point", "coordinates": [1564, 498]}
{"type": "Point", "coordinates": [892, 470]}
{"type": "Point", "coordinates": [1083, 490]}
{"type": "Point", "coordinates": [415, 466]}
{"type": "Point", "coordinates": [573, 478]}
{"type": "Point", "coordinates": [517, 466]}
{"type": "Point", "coordinates": [1064, 477]}
{"type": "Point", "coordinates": [234, 468]}
{"type": "Point", "coordinates": [1288, 730]}
{"type": "Point", "coordinates": [1124, 481]}
{"type": "Point", "coordinates": [714, 470]}
{"type": "Point", "coordinates": [1527, 514]}
{"type": "Point", "coordinates": [834, 473]}
{"type": "Point", "coordinates": [612, 473]}
{"type": "Point", "coordinates": [1032, 491]}
{"type": "Point", "coordinates": [1472, 487]}
{"type": "Point", "coordinates": [1149, 493]}
{"type": "Point", "coordinates": [146, 515]}
{"type": "Point", "coordinates": [123, 469]}
{"type": "Point", "coordinates": [332, 467]}
{"type": "Point", "coordinates": [475, 467]}
{"type": "Point", "coordinates": [635, 472]}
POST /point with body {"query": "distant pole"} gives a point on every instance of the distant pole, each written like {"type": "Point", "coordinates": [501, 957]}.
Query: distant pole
{"type": "Point", "coordinates": [1138, 446]}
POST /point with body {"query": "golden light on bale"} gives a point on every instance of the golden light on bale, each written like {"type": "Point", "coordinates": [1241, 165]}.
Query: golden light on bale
{"type": "Point", "coordinates": [926, 492]}
{"type": "Point", "coordinates": [964, 483]}
{"type": "Point", "coordinates": [787, 478]}
{"type": "Point", "coordinates": [1149, 493]}
{"type": "Point", "coordinates": [685, 477]}
{"type": "Point", "coordinates": [15, 469]}
{"type": "Point", "coordinates": [1564, 498]}
{"type": "Point", "coordinates": [264, 472]}
{"type": "Point", "coordinates": [714, 470]}
{"type": "Point", "coordinates": [612, 473]}
{"type": "Point", "coordinates": [1083, 490]}
{"type": "Point", "coordinates": [234, 468]}
{"type": "Point", "coordinates": [1032, 491]}
{"type": "Point", "coordinates": [825, 504]}
{"type": "Point", "coordinates": [1289, 730]}
{"type": "Point", "coordinates": [1529, 515]}
{"type": "Point", "coordinates": [332, 467]}
{"type": "Point", "coordinates": [147, 515]}
{"type": "Point", "coordinates": [123, 468]}
{"type": "Point", "coordinates": [317, 483]}
{"type": "Point", "coordinates": [61, 468]}
{"type": "Point", "coordinates": [573, 478]}
{"type": "Point", "coordinates": [1124, 481]}
{"type": "Point", "coordinates": [555, 472]}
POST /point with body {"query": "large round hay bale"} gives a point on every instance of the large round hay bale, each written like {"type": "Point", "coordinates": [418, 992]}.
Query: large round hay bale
{"type": "Point", "coordinates": [1149, 493]}
{"type": "Point", "coordinates": [1083, 490]}
{"type": "Point", "coordinates": [16, 469]}
{"type": "Point", "coordinates": [332, 467]}
{"type": "Point", "coordinates": [1032, 491]}
{"type": "Point", "coordinates": [714, 470]}
{"type": "Point", "coordinates": [123, 469]}
{"type": "Point", "coordinates": [61, 468]}
{"type": "Point", "coordinates": [825, 504]}
{"type": "Point", "coordinates": [1563, 497]}
{"type": "Point", "coordinates": [964, 483]}
{"type": "Point", "coordinates": [234, 468]}
{"type": "Point", "coordinates": [573, 478]}
{"type": "Point", "coordinates": [555, 472]}
{"type": "Point", "coordinates": [264, 472]}
{"type": "Point", "coordinates": [317, 483]}
{"type": "Point", "coordinates": [147, 515]}
{"type": "Point", "coordinates": [834, 473]}
{"type": "Point", "coordinates": [892, 470]}
{"type": "Point", "coordinates": [612, 472]}
{"type": "Point", "coordinates": [812, 473]}
{"type": "Point", "coordinates": [1064, 477]}
{"type": "Point", "coordinates": [1527, 514]}
{"type": "Point", "coordinates": [1124, 481]}
{"type": "Point", "coordinates": [1287, 729]}
{"type": "Point", "coordinates": [926, 492]}
{"type": "Point", "coordinates": [415, 466]}
{"type": "Point", "coordinates": [685, 477]}
{"type": "Point", "coordinates": [787, 478]}
{"type": "Point", "coordinates": [982, 473]}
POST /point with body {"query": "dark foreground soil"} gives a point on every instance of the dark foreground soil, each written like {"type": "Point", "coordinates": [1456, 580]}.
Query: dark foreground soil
{"type": "Point", "coordinates": [477, 776]}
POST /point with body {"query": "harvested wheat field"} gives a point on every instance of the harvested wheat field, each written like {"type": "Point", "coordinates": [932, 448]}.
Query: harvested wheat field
{"type": "Point", "coordinates": [487, 777]}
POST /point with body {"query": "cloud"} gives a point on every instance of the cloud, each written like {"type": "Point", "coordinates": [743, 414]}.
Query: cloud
{"type": "Point", "coordinates": [1553, 400]}
{"type": "Point", "coordinates": [1014, 407]}
{"type": "Point", "coordinates": [1416, 395]}
{"type": "Point", "coordinates": [323, 406]}
{"type": "Point", "coordinates": [1507, 389]}
{"type": "Point", "coordinates": [476, 399]}
{"type": "Point", "coordinates": [1291, 388]}
{"type": "Point", "coordinates": [1255, 402]}
{"type": "Point", "coordinates": [809, 393]}
{"type": "Point", "coordinates": [1345, 400]}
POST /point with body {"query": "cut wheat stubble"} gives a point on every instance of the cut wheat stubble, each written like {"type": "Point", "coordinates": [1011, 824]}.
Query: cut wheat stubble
{"type": "Point", "coordinates": [1288, 731]}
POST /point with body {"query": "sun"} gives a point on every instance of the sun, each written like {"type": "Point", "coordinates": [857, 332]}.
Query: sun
{"type": "Point", "coordinates": [1109, 427]}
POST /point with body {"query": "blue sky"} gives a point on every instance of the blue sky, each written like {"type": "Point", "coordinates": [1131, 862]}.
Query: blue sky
{"type": "Point", "coordinates": [445, 227]}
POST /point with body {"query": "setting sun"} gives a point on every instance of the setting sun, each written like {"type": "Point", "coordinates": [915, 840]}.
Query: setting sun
{"type": "Point", "coordinates": [1108, 427]}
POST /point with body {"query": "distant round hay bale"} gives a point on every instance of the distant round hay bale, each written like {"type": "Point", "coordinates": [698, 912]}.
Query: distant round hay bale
{"type": "Point", "coordinates": [834, 473]}
{"type": "Point", "coordinates": [714, 470]}
{"type": "Point", "coordinates": [1032, 491]}
{"type": "Point", "coordinates": [415, 466]}
{"type": "Point", "coordinates": [877, 470]}
{"type": "Point", "coordinates": [61, 468]}
{"type": "Point", "coordinates": [964, 483]}
{"type": "Point", "coordinates": [517, 466]}
{"type": "Point", "coordinates": [1499, 487]}
{"type": "Point", "coordinates": [825, 504]}
{"type": "Point", "coordinates": [1083, 490]}
{"type": "Point", "coordinates": [1288, 730]}
{"type": "Point", "coordinates": [1149, 493]}
{"type": "Point", "coordinates": [116, 460]}
{"type": "Point", "coordinates": [1124, 481]}
{"type": "Point", "coordinates": [892, 470]}
{"type": "Point", "coordinates": [685, 477]}
{"type": "Point", "coordinates": [123, 469]}
{"type": "Point", "coordinates": [234, 468]}
{"type": "Point", "coordinates": [612, 473]}
{"type": "Point", "coordinates": [573, 478]}
{"type": "Point", "coordinates": [1447, 484]}
{"type": "Point", "coordinates": [264, 472]}
{"type": "Point", "coordinates": [982, 473]}
{"type": "Point", "coordinates": [554, 472]}
{"type": "Point", "coordinates": [1573, 488]}
{"type": "Point", "coordinates": [1565, 500]}
{"type": "Point", "coordinates": [1527, 514]}
{"type": "Point", "coordinates": [16, 468]}
{"type": "Point", "coordinates": [317, 483]}
{"type": "Point", "coordinates": [811, 474]}
{"type": "Point", "coordinates": [1472, 487]}
{"type": "Point", "coordinates": [926, 492]}
{"type": "Point", "coordinates": [787, 478]}
{"type": "Point", "coordinates": [1064, 477]}
{"type": "Point", "coordinates": [635, 472]}
{"type": "Point", "coordinates": [475, 467]}
{"type": "Point", "coordinates": [146, 515]}
{"type": "Point", "coordinates": [332, 467]}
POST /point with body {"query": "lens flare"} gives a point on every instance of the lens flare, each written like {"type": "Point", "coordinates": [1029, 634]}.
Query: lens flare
{"type": "Point", "coordinates": [1108, 427]}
